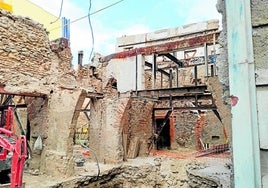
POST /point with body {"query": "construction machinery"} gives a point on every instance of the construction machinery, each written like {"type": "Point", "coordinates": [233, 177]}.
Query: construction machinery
{"type": "Point", "coordinates": [13, 152]}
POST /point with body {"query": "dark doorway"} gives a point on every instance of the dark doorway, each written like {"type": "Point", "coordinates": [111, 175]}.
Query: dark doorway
{"type": "Point", "coordinates": [163, 140]}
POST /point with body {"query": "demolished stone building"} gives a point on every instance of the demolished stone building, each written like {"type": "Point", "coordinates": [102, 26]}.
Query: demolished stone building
{"type": "Point", "coordinates": [167, 76]}
{"type": "Point", "coordinates": [157, 85]}
{"type": "Point", "coordinates": [158, 91]}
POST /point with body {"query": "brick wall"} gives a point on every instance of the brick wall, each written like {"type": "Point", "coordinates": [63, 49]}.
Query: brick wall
{"type": "Point", "coordinates": [140, 123]}
{"type": "Point", "coordinates": [27, 61]}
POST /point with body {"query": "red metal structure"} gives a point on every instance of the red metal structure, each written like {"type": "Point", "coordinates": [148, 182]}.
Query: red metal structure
{"type": "Point", "coordinates": [19, 149]}
{"type": "Point", "coordinates": [17, 145]}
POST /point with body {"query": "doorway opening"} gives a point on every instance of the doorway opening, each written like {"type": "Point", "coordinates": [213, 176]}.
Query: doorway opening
{"type": "Point", "coordinates": [163, 141]}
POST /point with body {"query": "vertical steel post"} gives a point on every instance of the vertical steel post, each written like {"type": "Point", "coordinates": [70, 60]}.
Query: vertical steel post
{"type": "Point", "coordinates": [170, 78]}
{"type": "Point", "coordinates": [136, 74]}
{"type": "Point", "coordinates": [195, 75]}
{"type": "Point", "coordinates": [206, 58]}
{"type": "Point", "coordinates": [177, 74]}
{"type": "Point", "coordinates": [212, 70]}
{"type": "Point", "coordinates": [154, 71]}
{"type": "Point", "coordinates": [161, 77]}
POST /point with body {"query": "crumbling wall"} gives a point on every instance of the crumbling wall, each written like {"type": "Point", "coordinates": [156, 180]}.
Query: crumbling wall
{"type": "Point", "coordinates": [25, 50]}
{"type": "Point", "coordinates": [185, 130]}
{"type": "Point", "coordinates": [222, 59]}
{"type": "Point", "coordinates": [215, 86]}
{"type": "Point", "coordinates": [140, 123]}
{"type": "Point", "coordinates": [30, 63]}
{"type": "Point", "coordinates": [105, 135]}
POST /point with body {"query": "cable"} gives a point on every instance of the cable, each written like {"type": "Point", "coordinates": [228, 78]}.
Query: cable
{"type": "Point", "coordinates": [95, 156]}
{"type": "Point", "coordinates": [59, 13]}
{"type": "Point", "coordinates": [80, 18]}
{"type": "Point", "coordinates": [91, 150]}
{"type": "Point", "coordinates": [91, 30]}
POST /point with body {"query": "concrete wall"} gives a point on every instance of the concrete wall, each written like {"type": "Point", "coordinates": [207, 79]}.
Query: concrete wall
{"type": "Point", "coordinates": [124, 71]}
{"type": "Point", "coordinates": [223, 68]}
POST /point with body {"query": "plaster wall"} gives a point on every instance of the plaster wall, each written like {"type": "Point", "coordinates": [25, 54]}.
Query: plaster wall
{"type": "Point", "coordinates": [124, 71]}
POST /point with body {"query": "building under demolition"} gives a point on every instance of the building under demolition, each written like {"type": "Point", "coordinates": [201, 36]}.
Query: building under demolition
{"type": "Point", "coordinates": [156, 113]}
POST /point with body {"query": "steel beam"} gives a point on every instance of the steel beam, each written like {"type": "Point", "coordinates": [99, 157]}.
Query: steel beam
{"type": "Point", "coordinates": [166, 47]}
{"type": "Point", "coordinates": [160, 70]}
{"type": "Point", "coordinates": [173, 58]}
{"type": "Point", "coordinates": [172, 91]}
{"type": "Point", "coordinates": [203, 107]}
{"type": "Point", "coordinates": [194, 96]}
{"type": "Point", "coordinates": [164, 122]}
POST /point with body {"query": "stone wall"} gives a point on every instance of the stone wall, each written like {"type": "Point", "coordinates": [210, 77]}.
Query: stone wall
{"type": "Point", "coordinates": [25, 49]}
{"type": "Point", "coordinates": [30, 63]}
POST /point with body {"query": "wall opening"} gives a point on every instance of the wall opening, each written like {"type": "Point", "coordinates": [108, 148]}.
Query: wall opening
{"type": "Point", "coordinates": [215, 137]}
{"type": "Point", "coordinates": [163, 141]}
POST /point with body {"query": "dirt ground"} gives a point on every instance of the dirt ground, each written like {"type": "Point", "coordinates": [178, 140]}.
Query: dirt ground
{"type": "Point", "coordinates": [163, 168]}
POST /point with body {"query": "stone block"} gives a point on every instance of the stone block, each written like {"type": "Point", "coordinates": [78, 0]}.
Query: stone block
{"type": "Point", "coordinates": [259, 13]}
{"type": "Point", "coordinates": [260, 38]}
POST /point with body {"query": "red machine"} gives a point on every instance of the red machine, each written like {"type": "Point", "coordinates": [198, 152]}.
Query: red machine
{"type": "Point", "coordinates": [17, 146]}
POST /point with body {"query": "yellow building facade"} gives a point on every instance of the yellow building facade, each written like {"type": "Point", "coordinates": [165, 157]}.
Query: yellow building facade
{"type": "Point", "coordinates": [26, 8]}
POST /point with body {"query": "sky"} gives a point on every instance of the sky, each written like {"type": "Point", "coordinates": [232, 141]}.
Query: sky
{"type": "Point", "coordinates": [128, 17]}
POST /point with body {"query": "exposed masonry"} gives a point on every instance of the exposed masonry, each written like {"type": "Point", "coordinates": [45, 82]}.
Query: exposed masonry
{"type": "Point", "coordinates": [121, 122]}
{"type": "Point", "coordinates": [31, 65]}
{"type": "Point", "coordinates": [122, 112]}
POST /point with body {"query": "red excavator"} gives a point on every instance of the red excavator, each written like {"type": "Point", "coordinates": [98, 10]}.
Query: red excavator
{"type": "Point", "coordinates": [14, 148]}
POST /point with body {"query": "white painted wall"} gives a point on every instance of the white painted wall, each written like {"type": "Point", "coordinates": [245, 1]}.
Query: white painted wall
{"type": "Point", "coordinates": [124, 71]}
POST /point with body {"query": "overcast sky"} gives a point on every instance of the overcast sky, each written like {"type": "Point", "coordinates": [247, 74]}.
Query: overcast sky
{"type": "Point", "coordinates": [125, 18]}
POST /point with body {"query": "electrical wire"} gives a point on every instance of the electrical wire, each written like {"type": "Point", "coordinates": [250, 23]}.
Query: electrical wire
{"type": "Point", "coordinates": [92, 151]}
{"type": "Point", "coordinates": [59, 13]}
{"type": "Point", "coordinates": [85, 16]}
{"type": "Point", "coordinates": [95, 156]}
{"type": "Point", "coordinates": [91, 30]}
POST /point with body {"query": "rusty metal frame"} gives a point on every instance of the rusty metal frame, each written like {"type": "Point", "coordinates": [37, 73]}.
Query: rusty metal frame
{"type": "Point", "coordinates": [173, 58]}
{"type": "Point", "coordinates": [165, 48]}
